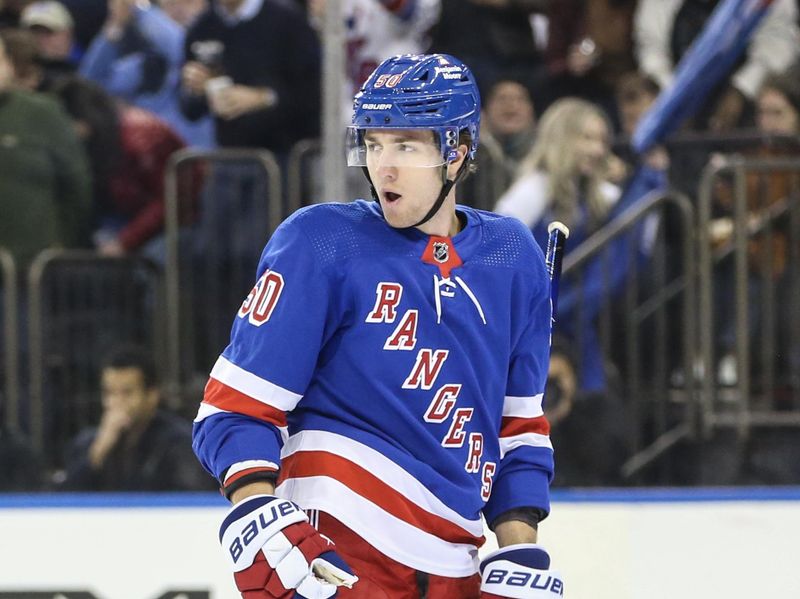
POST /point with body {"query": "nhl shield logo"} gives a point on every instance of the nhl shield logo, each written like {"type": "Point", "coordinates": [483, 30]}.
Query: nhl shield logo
{"type": "Point", "coordinates": [441, 251]}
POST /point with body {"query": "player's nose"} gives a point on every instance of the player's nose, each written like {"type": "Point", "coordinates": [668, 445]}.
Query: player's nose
{"type": "Point", "coordinates": [387, 173]}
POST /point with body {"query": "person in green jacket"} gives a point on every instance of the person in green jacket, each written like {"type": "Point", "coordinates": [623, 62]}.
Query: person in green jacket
{"type": "Point", "coordinates": [44, 173]}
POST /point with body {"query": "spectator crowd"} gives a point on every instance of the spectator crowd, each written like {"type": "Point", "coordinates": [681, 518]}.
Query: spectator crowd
{"type": "Point", "coordinates": [96, 96]}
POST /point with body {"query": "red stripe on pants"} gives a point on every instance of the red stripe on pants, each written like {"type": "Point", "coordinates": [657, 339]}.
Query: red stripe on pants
{"type": "Point", "coordinates": [380, 577]}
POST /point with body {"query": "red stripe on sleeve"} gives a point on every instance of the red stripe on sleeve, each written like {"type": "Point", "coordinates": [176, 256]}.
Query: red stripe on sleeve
{"type": "Point", "coordinates": [320, 463]}
{"type": "Point", "coordinates": [517, 426]}
{"type": "Point", "coordinates": [227, 398]}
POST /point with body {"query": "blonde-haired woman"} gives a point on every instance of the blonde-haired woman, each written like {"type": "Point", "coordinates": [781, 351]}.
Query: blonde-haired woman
{"type": "Point", "coordinates": [566, 175]}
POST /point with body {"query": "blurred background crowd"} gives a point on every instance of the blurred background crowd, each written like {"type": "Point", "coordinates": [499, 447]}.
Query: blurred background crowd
{"type": "Point", "coordinates": [147, 150]}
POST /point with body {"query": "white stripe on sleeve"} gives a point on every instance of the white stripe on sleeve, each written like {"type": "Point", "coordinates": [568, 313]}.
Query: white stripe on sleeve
{"type": "Point", "coordinates": [523, 407]}
{"type": "Point", "coordinates": [254, 386]}
{"type": "Point", "coordinates": [525, 439]}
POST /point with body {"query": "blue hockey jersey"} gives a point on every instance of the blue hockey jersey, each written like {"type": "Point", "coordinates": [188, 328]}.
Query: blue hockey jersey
{"type": "Point", "coordinates": [396, 379]}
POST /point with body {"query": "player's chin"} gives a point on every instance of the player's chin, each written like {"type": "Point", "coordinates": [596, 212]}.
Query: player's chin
{"type": "Point", "coordinates": [396, 223]}
{"type": "Point", "coordinates": [395, 218]}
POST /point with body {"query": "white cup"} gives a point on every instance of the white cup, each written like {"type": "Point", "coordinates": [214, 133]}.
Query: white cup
{"type": "Point", "coordinates": [214, 87]}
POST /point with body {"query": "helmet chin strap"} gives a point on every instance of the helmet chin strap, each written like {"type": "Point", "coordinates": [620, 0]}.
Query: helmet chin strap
{"type": "Point", "coordinates": [446, 187]}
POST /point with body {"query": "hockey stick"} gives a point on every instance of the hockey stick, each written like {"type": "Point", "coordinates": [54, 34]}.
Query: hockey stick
{"type": "Point", "coordinates": [557, 234]}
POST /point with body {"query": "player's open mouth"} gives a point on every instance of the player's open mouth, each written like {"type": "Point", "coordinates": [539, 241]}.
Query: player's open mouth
{"type": "Point", "coordinates": [391, 196]}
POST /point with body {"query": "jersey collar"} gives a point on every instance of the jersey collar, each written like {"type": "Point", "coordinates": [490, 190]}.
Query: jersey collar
{"type": "Point", "coordinates": [465, 242]}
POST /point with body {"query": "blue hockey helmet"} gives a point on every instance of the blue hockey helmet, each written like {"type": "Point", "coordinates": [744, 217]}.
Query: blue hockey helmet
{"type": "Point", "coordinates": [436, 92]}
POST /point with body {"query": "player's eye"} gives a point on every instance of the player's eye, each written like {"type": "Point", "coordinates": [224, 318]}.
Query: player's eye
{"type": "Point", "coordinates": [373, 147]}
{"type": "Point", "coordinates": [403, 147]}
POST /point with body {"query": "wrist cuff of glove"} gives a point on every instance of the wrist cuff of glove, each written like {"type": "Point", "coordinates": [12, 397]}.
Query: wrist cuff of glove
{"type": "Point", "coordinates": [529, 515]}
{"type": "Point", "coordinates": [233, 484]}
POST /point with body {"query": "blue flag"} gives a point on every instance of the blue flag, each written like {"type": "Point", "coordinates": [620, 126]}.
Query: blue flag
{"type": "Point", "coordinates": [710, 59]}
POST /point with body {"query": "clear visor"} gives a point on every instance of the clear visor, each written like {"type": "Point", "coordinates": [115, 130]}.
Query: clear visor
{"type": "Point", "coordinates": [375, 148]}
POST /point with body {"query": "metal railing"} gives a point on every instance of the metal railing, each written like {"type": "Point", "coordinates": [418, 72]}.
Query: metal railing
{"type": "Point", "coordinates": [647, 310]}
{"type": "Point", "coordinates": [80, 306]}
{"type": "Point", "coordinates": [757, 219]}
{"type": "Point", "coordinates": [301, 185]}
{"type": "Point", "coordinates": [213, 246]}
{"type": "Point", "coordinates": [10, 325]}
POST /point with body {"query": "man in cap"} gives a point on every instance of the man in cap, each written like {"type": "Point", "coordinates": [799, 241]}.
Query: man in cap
{"type": "Point", "coordinates": [53, 26]}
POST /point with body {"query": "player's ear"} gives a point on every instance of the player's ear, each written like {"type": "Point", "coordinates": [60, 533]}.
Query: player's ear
{"type": "Point", "coordinates": [452, 167]}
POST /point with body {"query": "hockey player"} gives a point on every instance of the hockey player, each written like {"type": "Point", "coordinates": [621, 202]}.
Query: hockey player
{"type": "Point", "coordinates": [383, 386]}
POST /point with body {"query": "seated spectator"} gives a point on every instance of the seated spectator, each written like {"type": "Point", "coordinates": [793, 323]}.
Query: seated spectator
{"type": "Point", "coordinates": [45, 189]}
{"type": "Point", "coordinates": [494, 36]}
{"type": "Point", "coordinates": [255, 65]}
{"type": "Point", "coordinates": [137, 446]}
{"type": "Point", "coordinates": [635, 93]}
{"type": "Point", "coordinates": [778, 105]}
{"type": "Point", "coordinates": [137, 57]}
{"type": "Point", "coordinates": [509, 119]}
{"type": "Point", "coordinates": [507, 135]}
{"type": "Point", "coordinates": [589, 47]}
{"type": "Point", "coordinates": [564, 175]}
{"type": "Point", "coordinates": [53, 28]}
{"type": "Point", "coordinates": [129, 150]}
{"type": "Point", "coordinates": [767, 196]}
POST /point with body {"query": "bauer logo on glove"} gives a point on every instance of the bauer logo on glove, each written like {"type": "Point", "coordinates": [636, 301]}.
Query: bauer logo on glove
{"type": "Point", "coordinates": [263, 520]}
{"type": "Point", "coordinates": [525, 579]}
{"type": "Point", "coordinates": [520, 571]}
{"type": "Point", "coordinates": [272, 549]}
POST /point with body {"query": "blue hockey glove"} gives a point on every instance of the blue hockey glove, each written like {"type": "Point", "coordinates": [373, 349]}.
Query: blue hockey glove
{"type": "Point", "coordinates": [520, 571]}
{"type": "Point", "coordinates": [275, 553]}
